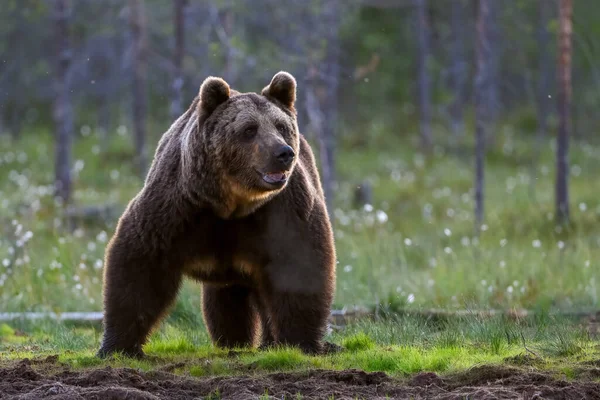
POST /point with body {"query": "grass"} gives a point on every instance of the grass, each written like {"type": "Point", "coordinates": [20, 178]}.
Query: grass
{"type": "Point", "coordinates": [412, 248]}
{"type": "Point", "coordinates": [399, 346]}
{"type": "Point", "coordinates": [358, 341]}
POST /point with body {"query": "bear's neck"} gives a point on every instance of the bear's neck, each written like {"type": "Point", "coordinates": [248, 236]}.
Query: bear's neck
{"type": "Point", "coordinates": [220, 197]}
{"type": "Point", "coordinates": [224, 197]}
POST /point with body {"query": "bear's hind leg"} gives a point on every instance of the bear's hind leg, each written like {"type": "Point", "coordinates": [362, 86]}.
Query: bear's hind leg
{"type": "Point", "coordinates": [267, 339]}
{"type": "Point", "coordinates": [230, 316]}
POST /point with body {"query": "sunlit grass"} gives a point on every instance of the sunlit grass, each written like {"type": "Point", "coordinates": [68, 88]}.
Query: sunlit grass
{"type": "Point", "coordinates": [399, 346]}
{"type": "Point", "coordinates": [359, 341]}
{"type": "Point", "coordinates": [280, 359]}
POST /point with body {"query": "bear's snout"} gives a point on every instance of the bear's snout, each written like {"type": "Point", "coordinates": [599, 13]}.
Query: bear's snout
{"type": "Point", "coordinates": [285, 155]}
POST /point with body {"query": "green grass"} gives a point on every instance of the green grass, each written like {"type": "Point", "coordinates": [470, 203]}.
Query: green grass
{"type": "Point", "coordinates": [358, 341]}
{"type": "Point", "coordinates": [399, 346]}
{"type": "Point", "coordinates": [412, 248]}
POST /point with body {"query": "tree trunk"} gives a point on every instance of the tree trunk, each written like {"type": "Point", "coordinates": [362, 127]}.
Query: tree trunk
{"type": "Point", "coordinates": [493, 35]}
{"type": "Point", "coordinates": [63, 111]}
{"type": "Point", "coordinates": [543, 88]}
{"type": "Point", "coordinates": [482, 111]}
{"type": "Point", "coordinates": [104, 121]}
{"type": "Point", "coordinates": [564, 112]}
{"type": "Point", "coordinates": [458, 69]}
{"type": "Point", "coordinates": [1, 120]}
{"type": "Point", "coordinates": [178, 79]}
{"type": "Point", "coordinates": [16, 117]}
{"type": "Point", "coordinates": [318, 121]}
{"type": "Point", "coordinates": [543, 101]}
{"type": "Point", "coordinates": [140, 96]}
{"type": "Point", "coordinates": [321, 91]}
{"type": "Point", "coordinates": [492, 93]}
{"type": "Point", "coordinates": [331, 74]}
{"type": "Point", "coordinates": [229, 65]}
{"type": "Point", "coordinates": [423, 75]}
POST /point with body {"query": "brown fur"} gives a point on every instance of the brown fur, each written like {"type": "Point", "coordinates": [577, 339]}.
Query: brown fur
{"type": "Point", "coordinates": [264, 254]}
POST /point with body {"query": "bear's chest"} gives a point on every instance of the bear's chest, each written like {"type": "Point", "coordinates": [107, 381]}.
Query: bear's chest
{"type": "Point", "coordinates": [222, 250]}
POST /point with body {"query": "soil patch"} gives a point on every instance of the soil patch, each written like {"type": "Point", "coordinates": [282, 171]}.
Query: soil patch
{"type": "Point", "coordinates": [44, 379]}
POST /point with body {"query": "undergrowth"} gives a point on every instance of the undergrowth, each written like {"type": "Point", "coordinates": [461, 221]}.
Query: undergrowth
{"type": "Point", "coordinates": [412, 247]}
{"type": "Point", "coordinates": [400, 346]}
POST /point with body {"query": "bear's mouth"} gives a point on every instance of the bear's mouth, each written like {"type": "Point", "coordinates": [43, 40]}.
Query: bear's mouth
{"type": "Point", "coordinates": [274, 178]}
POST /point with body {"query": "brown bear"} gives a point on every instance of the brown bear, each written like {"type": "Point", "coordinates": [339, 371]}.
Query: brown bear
{"type": "Point", "coordinates": [232, 199]}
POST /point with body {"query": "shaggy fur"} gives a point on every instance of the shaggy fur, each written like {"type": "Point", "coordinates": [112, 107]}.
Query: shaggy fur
{"type": "Point", "coordinates": [214, 208]}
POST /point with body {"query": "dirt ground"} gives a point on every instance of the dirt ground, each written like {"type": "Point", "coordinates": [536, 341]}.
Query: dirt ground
{"type": "Point", "coordinates": [47, 379]}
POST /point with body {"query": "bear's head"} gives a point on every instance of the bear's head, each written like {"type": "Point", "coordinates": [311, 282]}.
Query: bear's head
{"type": "Point", "coordinates": [252, 140]}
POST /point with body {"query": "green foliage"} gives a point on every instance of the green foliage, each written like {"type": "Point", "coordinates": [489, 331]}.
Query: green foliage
{"type": "Point", "coordinates": [263, 39]}
{"type": "Point", "coordinates": [359, 341]}
{"type": "Point", "coordinates": [450, 337]}
{"type": "Point", "coordinates": [412, 248]}
{"type": "Point", "coordinates": [555, 346]}
{"type": "Point", "coordinates": [564, 342]}
{"type": "Point", "coordinates": [172, 346]}
{"type": "Point", "coordinates": [280, 359]}
{"type": "Point", "coordinates": [6, 331]}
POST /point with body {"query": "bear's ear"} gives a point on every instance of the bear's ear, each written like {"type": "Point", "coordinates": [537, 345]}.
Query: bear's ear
{"type": "Point", "coordinates": [213, 92]}
{"type": "Point", "coordinates": [282, 88]}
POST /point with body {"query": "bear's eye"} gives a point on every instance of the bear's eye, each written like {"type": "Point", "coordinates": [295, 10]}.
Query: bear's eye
{"type": "Point", "coordinates": [250, 132]}
{"type": "Point", "coordinates": [281, 127]}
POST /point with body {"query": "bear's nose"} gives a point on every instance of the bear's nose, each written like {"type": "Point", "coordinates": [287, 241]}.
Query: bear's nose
{"type": "Point", "coordinates": [285, 154]}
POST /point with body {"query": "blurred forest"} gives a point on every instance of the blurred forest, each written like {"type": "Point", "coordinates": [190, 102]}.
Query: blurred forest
{"type": "Point", "coordinates": [432, 92]}
{"type": "Point", "coordinates": [137, 64]}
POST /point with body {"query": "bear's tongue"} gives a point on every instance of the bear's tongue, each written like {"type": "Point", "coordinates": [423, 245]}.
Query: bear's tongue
{"type": "Point", "coordinates": [275, 177]}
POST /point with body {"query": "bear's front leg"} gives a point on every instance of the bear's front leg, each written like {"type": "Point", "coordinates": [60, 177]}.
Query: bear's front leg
{"type": "Point", "coordinates": [298, 283]}
{"type": "Point", "coordinates": [299, 320]}
{"type": "Point", "coordinates": [298, 295]}
{"type": "Point", "coordinates": [140, 283]}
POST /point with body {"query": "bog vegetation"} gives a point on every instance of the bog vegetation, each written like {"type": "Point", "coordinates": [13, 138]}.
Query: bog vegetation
{"type": "Point", "coordinates": [435, 126]}
{"type": "Point", "coordinates": [399, 346]}
{"type": "Point", "coordinates": [413, 247]}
